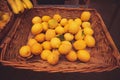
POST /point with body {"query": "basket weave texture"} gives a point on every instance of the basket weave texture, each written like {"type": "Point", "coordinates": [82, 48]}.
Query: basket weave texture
{"type": "Point", "coordinates": [104, 56]}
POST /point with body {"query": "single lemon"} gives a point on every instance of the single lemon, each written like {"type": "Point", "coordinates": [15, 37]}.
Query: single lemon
{"type": "Point", "coordinates": [79, 35]}
{"type": "Point", "coordinates": [79, 44]}
{"type": "Point", "coordinates": [79, 21]}
{"type": "Point", "coordinates": [36, 28]}
{"type": "Point", "coordinates": [57, 17]}
{"type": "Point", "coordinates": [46, 45]}
{"type": "Point", "coordinates": [63, 21]}
{"type": "Point", "coordinates": [66, 28]}
{"type": "Point", "coordinates": [59, 30]}
{"type": "Point", "coordinates": [40, 37]}
{"type": "Point", "coordinates": [45, 53]}
{"type": "Point", "coordinates": [46, 18]}
{"type": "Point", "coordinates": [55, 51]}
{"type": "Point", "coordinates": [31, 42]}
{"type": "Point", "coordinates": [52, 23]}
{"type": "Point", "coordinates": [36, 49]}
{"type": "Point", "coordinates": [25, 51]}
{"type": "Point", "coordinates": [68, 36]}
{"type": "Point", "coordinates": [83, 55]}
{"type": "Point", "coordinates": [71, 56]}
{"type": "Point", "coordinates": [90, 41]}
{"type": "Point", "coordinates": [55, 42]}
{"type": "Point", "coordinates": [88, 31]}
{"type": "Point", "coordinates": [85, 16]}
{"type": "Point", "coordinates": [70, 20]}
{"type": "Point", "coordinates": [36, 19]}
{"type": "Point", "coordinates": [50, 33]}
{"type": "Point", "coordinates": [45, 26]}
{"type": "Point", "coordinates": [86, 24]}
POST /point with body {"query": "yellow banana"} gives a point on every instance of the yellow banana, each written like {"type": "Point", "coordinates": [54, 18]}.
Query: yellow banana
{"type": "Point", "coordinates": [13, 6]}
{"type": "Point", "coordinates": [28, 3]}
{"type": "Point", "coordinates": [19, 5]}
{"type": "Point", "coordinates": [24, 5]}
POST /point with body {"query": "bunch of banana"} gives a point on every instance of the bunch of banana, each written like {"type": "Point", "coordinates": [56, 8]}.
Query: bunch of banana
{"type": "Point", "coordinates": [18, 6]}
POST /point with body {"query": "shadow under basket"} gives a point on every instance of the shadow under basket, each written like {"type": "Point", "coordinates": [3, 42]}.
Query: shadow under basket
{"type": "Point", "coordinates": [104, 56]}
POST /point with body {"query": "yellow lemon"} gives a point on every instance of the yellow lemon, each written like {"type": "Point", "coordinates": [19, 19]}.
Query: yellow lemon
{"type": "Point", "coordinates": [55, 42]}
{"type": "Point", "coordinates": [36, 49]}
{"type": "Point", "coordinates": [55, 51]}
{"type": "Point", "coordinates": [45, 53]}
{"type": "Point", "coordinates": [63, 21]}
{"type": "Point", "coordinates": [59, 30]}
{"type": "Point", "coordinates": [70, 20]}
{"type": "Point", "coordinates": [85, 16]}
{"type": "Point", "coordinates": [90, 41]}
{"type": "Point", "coordinates": [50, 33]}
{"type": "Point", "coordinates": [25, 51]}
{"type": "Point", "coordinates": [46, 45]}
{"type": "Point", "coordinates": [36, 19]}
{"type": "Point", "coordinates": [52, 23]}
{"type": "Point", "coordinates": [79, 44]}
{"type": "Point", "coordinates": [73, 27]}
{"type": "Point", "coordinates": [31, 42]}
{"type": "Point", "coordinates": [79, 35]}
{"type": "Point", "coordinates": [46, 18]}
{"type": "Point", "coordinates": [86, 24]}
{"type": "Point", "coordinates": [45, 26]}
{"type": "Point", "coordinates": [71, 56]}
{"type": "Point", "coordinates": [40, 37]}
{"type": "Point", "coordinates": [67, 43]}
{"type": "Point", "coordinates": [66, 28]}
{"type": "Point", "coordinates": [88, 31]}
{"type": "Point", "coordinates": [57, 17]}
{"type": "Point", "coordinates": [68, 36]}
{"type": "Point", "coordinates": [53, 59]}
{"type": "Point", "coordinates": [78, 20]}
{"type": "Point", "coordinates": [36, 28]}
{"type": "Point", "coordinates": [83, 55]}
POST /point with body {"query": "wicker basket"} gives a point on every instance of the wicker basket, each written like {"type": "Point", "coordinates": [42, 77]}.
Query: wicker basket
{"type": "Point", "coordinates": [104, 56]}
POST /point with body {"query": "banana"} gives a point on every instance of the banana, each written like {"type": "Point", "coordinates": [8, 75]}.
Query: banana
{"type": "Point", "coordinates": [13, 6]}
{"type": "Point", "coordinates": [19, 5]}
{"type": "Point", "coordinates": [24, 5]}
{"type": "Point", "coordinates": [28, 3]}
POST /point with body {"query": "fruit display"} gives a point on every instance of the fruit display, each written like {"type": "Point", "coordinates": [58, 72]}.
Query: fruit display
{"type": "Point", "coordinates": [55, 36]}
{"type": "Point", "coordinates": [18, 6]}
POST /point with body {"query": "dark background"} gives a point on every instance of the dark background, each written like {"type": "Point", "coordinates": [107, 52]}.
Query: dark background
{"type": "Point", "coordinates": [110, 12]}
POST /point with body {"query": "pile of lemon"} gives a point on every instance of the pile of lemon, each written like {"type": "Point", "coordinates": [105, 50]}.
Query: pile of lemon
{"type": "Point", "coordinates": [56, 36]}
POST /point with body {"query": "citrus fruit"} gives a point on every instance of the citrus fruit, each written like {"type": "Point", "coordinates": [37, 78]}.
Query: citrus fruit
{"type": "Point", "coordinates": [52, 23]}
{"type": "Point", "coordinates": [66, 28]}
{"type": "Point", "coordinates": [59, 30]}
{"type": "Point", "coordinates": [79, 35]}
{"type": "Point", "coordinates": [40, 37]}
{"type": "Point", "coordinates": [63, 21]}
{"type": "Point", "coordinates": [79, 44]}
{"type": "Point", "coordinates": [36, 28]}
{"type": "Point", "coordinates": [46, 45]}
{"type": "Point", "coordinates": [45, 53]}
{"type": "Point", "coordinates": [55, 51]}
{"type": "Point", "coordinates": [70, 20]}
{"type": "Point", "coordinates": [36, 19]}
{"type": "Point", "coordinates": [57, 17]}
{"type": "Point", "coordinates": [88, 31]}
{"type": "Point", "coordinates": [68, 36]}
{"type": "Point", "coordinates": [25, 51]}
{"type": "Point", "coordinates": [45, 26]}
{"type": "Point", "coordinates": [86, 24]}
{"type": "Point", "coordinates": [78, 20]}
{"type": "Point", "coordinates": [46, 18]}
{"type": "Point", "coordinates": [71, 56]}
{"type": "Point", "coordinates": [31, 42]}
{"type": "Point", "coordinates": [50, 33]}
{"type": "Point", "coordinates": [83, 55]}
{"type": "Point", "coordinates": [36, 49]}
{"type": "Point", "coordinates": [55, 42]}
{"type": "Point", "coordinates": [90, 41]}
{"type": "Point", "coordinates": [85, 16]}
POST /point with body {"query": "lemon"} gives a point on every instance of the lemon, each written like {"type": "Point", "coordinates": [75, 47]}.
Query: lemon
{"type": "Point", "coordinates": [55, 42]}
{"type": "Point", "coordinates": [67, 43]}
{"type": "Point", "coordinates": [79, 21]}
{"type": "Point", "coordinates": [50, 33]}
{"type": "Point", "coordinates": [55, 51]}
{"type": "Point", "coordinates": [68, 36]}
{"type": "Point", "coordinates": [53, 59]}
{"type": "Point", "coordinates": [79, 44]}
{"type": "Point", "coordinates": [83, 55]}
{"type": "Point", "coordinates": [36, 19]}
{"type": "Point", "coordinates": [85, 16]}
{"type": "Point", "coordinates": [66, 28]}
{"type": "Point", "coordinates": [63, 21]}
{"type": "Point", "coordinates": [45, 26]}
{"type": "Point", "coordinates": [70, 20]}
{"type": "Point", "coordinates": [65, 48]}
{"type": "Point", "coordinates": [36, 49]}
{"type": "Point", "coordinates": [45, 53]}
{"type": "Point", "coordinates": [86, 24]}
{"type": "Point", "coordinates": [31, 42]}
{"type": "Point", "coordinates": [46, 18]}
{"type": "Point", "coordinates": [59, 30]}
{"type": "Point", "coordinates": [71, 56]}
{"type": "Point", "coordinates": [88, 31]}
{"type": "Point", "coordinates": [52, 23]}
{"type": "Point", "coordinates": [36, 28]}
{"type": "Point", "coordinates": [79, 35]}
{"type": "Point", "coordinates": [90, 41]}
{"type": "Point", "coordinates": [57, 17]}
{"type": "Point", "coordinates": [73, 27]}
{"type": "Point", "coordinates": [40, 37]}
{"type": "Point", "coordinates": [46, 45]}
{"type": "Point", "coordinates": [25, 51]}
